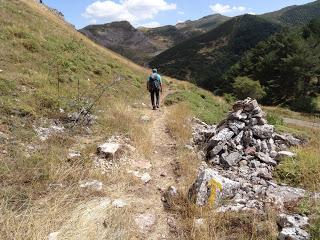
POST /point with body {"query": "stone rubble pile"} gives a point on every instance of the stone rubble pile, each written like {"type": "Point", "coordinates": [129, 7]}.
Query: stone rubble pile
{"type": "Point", "coordinates": [241, 154]}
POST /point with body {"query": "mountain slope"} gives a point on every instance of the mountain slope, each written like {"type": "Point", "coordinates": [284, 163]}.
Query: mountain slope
{"type": "Point", "coordinates": [142, 44]}
{"type": "Point", "coordinates": [122, 38]}
{"type": "Point", "coordinates": [202, 25]}
{"type": "Point", "coordinates": [295, 15]}
{"type": "Point", "coordinates": [205, 58]}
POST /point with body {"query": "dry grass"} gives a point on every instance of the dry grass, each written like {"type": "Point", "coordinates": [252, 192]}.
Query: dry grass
{"type": "Point", "coordinates": [122, 119]}
{"type": "Point", "coordinates": [178, 122]}
{"type": "Point", "coordinates": [304, 170]}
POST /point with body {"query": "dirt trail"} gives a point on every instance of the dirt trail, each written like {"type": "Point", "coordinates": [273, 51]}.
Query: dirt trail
{"type": "Point", "coordinates": [162, 174]}
{"type": "Point", "coordinates": [301, 123]}
{"type": "Point", "coordinates": [144, 204]}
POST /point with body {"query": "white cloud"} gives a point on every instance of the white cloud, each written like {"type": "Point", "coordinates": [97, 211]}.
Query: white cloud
{"type": "Point", "coordinates": [151, 25]}
{"type": "Point", "coordinates": [134, 11]}
{"type": "Point", "coordinates": [93, 21]}
{"type": "Point", "coordinates": [181, 12]}
{"type": "Point", "coordinates": [223, 9]}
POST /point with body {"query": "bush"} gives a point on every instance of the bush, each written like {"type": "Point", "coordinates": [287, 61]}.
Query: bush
{"type": "Point", "coordinates": [274, 119]}
{"type": "Point", "coordinates": [305, 104]}
{"type": "Point", "coordinates": [229, 98]}
{"type": "Point", "coordinates": [244, 87]}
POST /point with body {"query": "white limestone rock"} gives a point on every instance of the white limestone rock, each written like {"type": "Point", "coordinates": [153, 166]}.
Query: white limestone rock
{"type": "Point", "coordinates": [108, 150]}
{"type": "Point", "coordinates": [94, 185]}
{"type": "Point", "coordinates": [201, 190]}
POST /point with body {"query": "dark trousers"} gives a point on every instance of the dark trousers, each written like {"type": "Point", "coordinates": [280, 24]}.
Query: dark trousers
{"type": "Point", "coordinates": [157, 93]}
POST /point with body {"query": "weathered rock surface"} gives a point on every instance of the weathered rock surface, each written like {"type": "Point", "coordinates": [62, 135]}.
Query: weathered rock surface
{"type": "Point", "coordinates": [220, 187]}
{"type": "Point", "coordinates": [108, 149]}
{"type": "Point", "coordinates": [293, 234]}
{"type": "Point", "coordinates": [145, 221]}
{"type": "Point", "coordinates": [119, 203]}
{"type": "Point", "coordinates": [94, 185]}
{"type": "Point", "coordinates": [296, 220]}
{"type": "Point", "coordinates": [45, 132]}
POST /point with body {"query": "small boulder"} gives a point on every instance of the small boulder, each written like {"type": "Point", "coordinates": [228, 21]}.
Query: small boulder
{"type": "Point", "coordinates": [264, 173]}
{"type": "Point", "coordinates": [293, 234]}
{"type": "Point", "coordinates": [146, 178]}
{"type": "Point", "coordinates": [285, 154]}
{"type": "Point", "coordinates": [295, 220]}
{"type": "Point", "coordinates": [232, 159]}
{"type": "Point", "coordinates": [108, 150]}
{"type": "Point", "coordinates": [211, 186]}
{"type": "Point", "coordinates": [287, 139]}
{"type": "Point", "coordinates": [263, 157]}
{"type": "Point", "coordinates": [73, 154]}
{"type": "Point", "coordinates": [119, 203]}
{"type": "Point", "coordinates": [145, 221]}
{"type": "Point", "coordinates": [285, 194]}
{"type": "Point", "coordinates": [224, 135]}
{"type": "Point", "coordinates": [53, 236]}
{"type": "Point", "coordinates": [263, 131]}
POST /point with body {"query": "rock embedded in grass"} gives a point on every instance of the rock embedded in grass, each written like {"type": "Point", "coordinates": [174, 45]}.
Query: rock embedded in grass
{"type": "Point", "coordinates": [108, 149]}
{"type": "Point", "coordinates": [94, 185]}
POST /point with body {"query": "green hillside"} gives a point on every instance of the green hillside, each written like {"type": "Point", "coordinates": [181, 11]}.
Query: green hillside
{"type": "Point", "coordinates": [287, 67]}
{"type": "Point", "coordinates": [201, 25]}
{"type": "Point", "coordinates": [295, 15]}
{"type": "Point", "coordinates": [204, 59]}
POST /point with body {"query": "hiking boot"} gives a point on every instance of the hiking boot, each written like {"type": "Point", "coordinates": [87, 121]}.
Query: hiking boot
{"type": "Point", "coordinates": [158, 106]}
{"type": "Point", "coordinates": [154, 108]}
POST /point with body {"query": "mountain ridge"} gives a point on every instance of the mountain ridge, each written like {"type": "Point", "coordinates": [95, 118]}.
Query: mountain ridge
{"type": "Point", "coordinates": [156, 40]}
{"type": "Point", "coordinates": [204, 58]}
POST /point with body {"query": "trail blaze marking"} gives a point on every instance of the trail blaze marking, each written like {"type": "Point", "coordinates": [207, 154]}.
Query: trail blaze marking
{"type": "Point", "coordinates": [213, 185]}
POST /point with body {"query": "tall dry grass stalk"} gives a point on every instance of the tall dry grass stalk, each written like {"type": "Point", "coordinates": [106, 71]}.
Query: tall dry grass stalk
{"type": "Point", "coordinates": [178, 122]}
{"type": "Point", "coordinates": [122, 119]}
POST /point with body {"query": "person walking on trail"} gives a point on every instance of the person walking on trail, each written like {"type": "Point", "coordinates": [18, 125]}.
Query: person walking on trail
{"type": "Point", "coordinates": [154, 85]}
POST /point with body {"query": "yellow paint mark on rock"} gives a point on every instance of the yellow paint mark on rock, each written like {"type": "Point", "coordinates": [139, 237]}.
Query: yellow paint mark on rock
{"type": "Point", "coordinates": [214, 187]}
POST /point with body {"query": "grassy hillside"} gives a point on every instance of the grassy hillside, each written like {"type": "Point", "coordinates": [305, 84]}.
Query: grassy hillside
{"type": "Point", "coordinates": [49, 71]}
{"type": "Point", "coordinates": [295, 15]}
{"type": "Point", "coordinates": [205, 58]}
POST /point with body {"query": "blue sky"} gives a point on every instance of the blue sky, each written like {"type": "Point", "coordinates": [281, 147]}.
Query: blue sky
{"type": "Point", "coordinates": [159, 12]}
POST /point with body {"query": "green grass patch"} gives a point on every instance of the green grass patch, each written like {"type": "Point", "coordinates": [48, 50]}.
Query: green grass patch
{"type": "Point", "coordinates": [203, 104]}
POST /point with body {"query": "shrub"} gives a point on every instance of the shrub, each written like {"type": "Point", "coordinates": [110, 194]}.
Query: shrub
{"type": "Point", "coordinates": [305, 104]}
{"type": "Point", "coordinates": [244, 87]}
{"type": "Point", "coordinates": [229, 98]}
{"type": "Point", "coordinates": [274, 119]}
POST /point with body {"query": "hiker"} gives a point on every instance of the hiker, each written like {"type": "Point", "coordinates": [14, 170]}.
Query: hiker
{"type": "Point", "coordinates": [154, 85]}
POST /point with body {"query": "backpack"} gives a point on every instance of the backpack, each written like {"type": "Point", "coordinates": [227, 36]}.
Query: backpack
{"type": "Point", "coordinates": [154, 84]}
